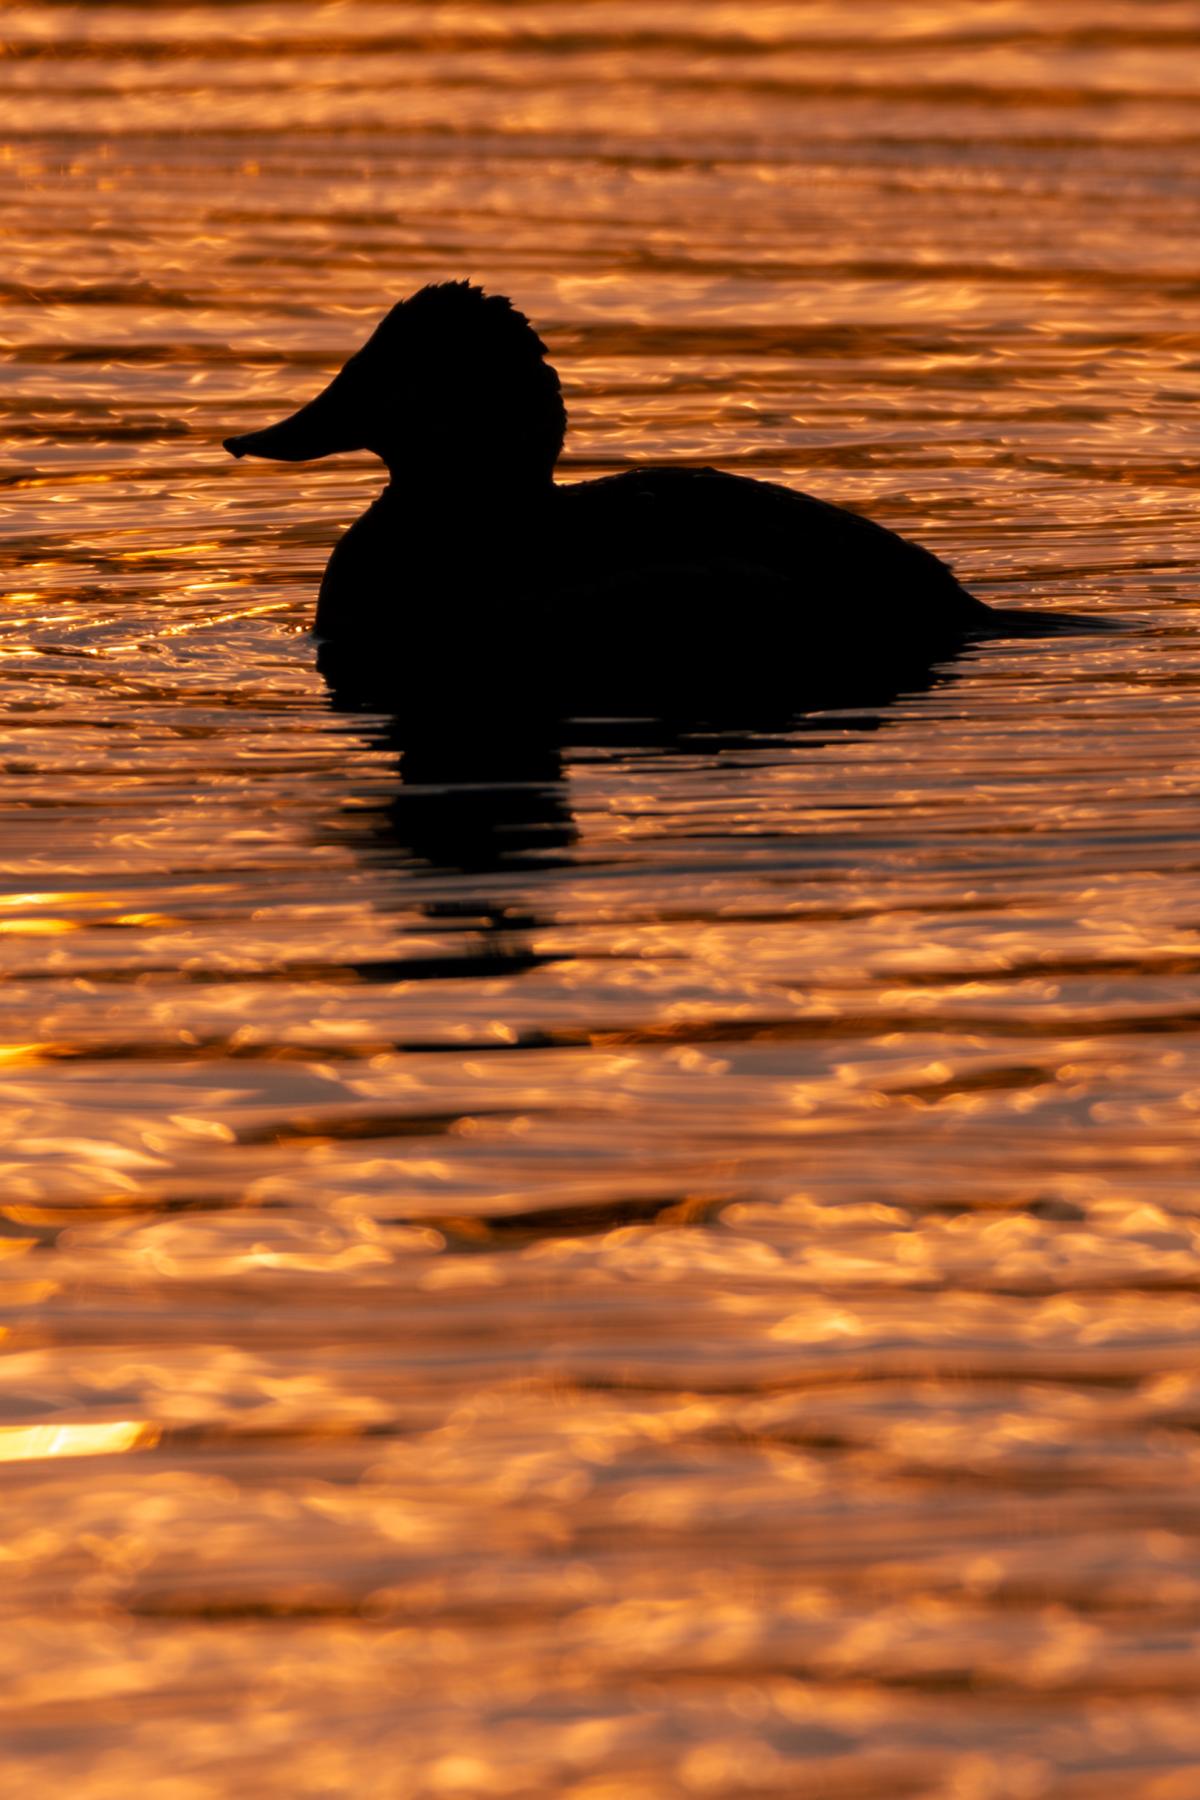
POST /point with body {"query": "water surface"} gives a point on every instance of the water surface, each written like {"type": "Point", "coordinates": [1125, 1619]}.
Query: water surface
{"type": "Point", "coordinates": [670, 1269]}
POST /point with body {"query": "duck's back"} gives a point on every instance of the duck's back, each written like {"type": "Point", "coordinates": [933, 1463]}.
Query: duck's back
{"type": "Point", "coordinates": [704, 518]}
{"type": "Point", "coordinates": [731, 582]}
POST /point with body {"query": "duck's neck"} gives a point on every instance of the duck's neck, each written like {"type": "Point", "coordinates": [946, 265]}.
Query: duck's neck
{"type": "Point", "coordinates": [488, 489]}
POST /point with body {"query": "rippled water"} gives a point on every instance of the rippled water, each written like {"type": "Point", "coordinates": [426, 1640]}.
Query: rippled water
{"type": "Point", "coordinates": [674, 1269]}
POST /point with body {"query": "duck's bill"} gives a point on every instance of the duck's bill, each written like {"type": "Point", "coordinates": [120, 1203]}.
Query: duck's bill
{"type": "Point", "coordinates": [322, 428]}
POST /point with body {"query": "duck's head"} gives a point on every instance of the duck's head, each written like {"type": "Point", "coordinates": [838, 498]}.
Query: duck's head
{"type": "Point", "coordinates": [449, 373]}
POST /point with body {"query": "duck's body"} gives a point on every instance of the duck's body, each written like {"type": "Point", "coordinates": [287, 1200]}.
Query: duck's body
{"type": "Point", "coordinates": [658, 591]}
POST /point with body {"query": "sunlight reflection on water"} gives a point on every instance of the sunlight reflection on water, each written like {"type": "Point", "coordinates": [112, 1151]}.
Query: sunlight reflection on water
{"type": "Point", "coordinates": [673, 1270]}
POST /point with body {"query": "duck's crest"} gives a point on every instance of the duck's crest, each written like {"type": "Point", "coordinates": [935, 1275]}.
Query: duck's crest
{"type": "Point", "coordinates": [482, 353]}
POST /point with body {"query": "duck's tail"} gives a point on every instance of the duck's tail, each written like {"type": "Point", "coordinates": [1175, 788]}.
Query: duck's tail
{"type": "Point", "coordinates": [1026, 622]}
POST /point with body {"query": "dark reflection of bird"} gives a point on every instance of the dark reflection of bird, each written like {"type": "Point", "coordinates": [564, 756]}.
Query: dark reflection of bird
{"type": "Point", "coordinates": [473, 805]}
{"type": "Point", "coordinates": [484, 804]}
{"type": "Point", "coordinates": [477, 590]}
{"type": "Point", "coordinates": [490, 810]}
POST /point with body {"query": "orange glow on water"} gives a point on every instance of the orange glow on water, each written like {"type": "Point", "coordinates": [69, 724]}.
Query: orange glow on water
{"type": "Point", "coordinates": [34, 1443]}
{"type": "Point", "coordinates": [669, 1267]}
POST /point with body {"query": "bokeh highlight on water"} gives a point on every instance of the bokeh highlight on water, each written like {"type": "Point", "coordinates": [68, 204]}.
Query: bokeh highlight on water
{"type": "Point", "coordinates": [667, 1270]}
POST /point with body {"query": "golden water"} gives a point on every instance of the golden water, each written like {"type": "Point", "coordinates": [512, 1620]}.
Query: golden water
{"type": "Point", "coordinates": [677, 1274]}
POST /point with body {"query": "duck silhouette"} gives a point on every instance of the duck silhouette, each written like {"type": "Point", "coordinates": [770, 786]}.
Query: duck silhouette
{"type": "Point", "coordinates": [477, 588]}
